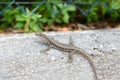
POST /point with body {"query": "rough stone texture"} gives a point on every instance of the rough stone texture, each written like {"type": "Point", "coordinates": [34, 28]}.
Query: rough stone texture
{"type": "Point", "coordinates": [21, 59]}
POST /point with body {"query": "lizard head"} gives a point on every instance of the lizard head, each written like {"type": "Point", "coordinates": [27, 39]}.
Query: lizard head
{"type": "Point", "coordinates": [42, 37]}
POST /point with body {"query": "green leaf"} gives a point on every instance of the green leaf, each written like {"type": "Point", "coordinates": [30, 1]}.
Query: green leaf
{"type": "Point", "coordinates": [43, 20]}
{"type": "Point", "coordinates": [58, 20]}
{"type": "Point", "coordinates": [70, 8]}
{"type": "Point", "coordinates": [34, 26]}
{"type": "Point", "coordinates": [89, 19]}
{"type": "Point", "coordinates": [65, 17]}
{"type": "Point", "coordinates": [20, 18]}
{"type": "Point", "coordinates": [115, 5]}
{"type": "Point", "coordinates": [18, 26]}
{"type": "Point", "coordinates": [50, 21]}
{"type": "Point", "coordinates": [28, 11]}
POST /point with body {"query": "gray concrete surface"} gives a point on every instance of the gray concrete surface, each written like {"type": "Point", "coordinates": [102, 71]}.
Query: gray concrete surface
{"type": "Point", "coordinates": [21, 59]}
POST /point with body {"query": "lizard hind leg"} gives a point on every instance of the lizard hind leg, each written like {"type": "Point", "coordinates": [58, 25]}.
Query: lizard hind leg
{"type": "Point", "coordinates": [45, 50]}
{"type": "Point", "coordinates": [70, 59]}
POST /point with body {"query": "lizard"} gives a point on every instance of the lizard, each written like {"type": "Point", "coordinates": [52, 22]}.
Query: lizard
{"type": "Point", "coordinates": [70, 48]}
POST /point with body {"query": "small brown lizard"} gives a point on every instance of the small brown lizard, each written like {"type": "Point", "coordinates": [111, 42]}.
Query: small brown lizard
{"type": "Point", "coordinates": [70, 48]}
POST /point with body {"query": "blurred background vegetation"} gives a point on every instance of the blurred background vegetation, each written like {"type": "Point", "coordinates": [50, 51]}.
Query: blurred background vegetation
{"type": "Point", "coordinates": [48, 15]}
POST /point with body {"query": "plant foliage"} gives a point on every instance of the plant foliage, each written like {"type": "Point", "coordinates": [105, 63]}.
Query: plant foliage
{"type": "Point", "coordinates": [58, 13]}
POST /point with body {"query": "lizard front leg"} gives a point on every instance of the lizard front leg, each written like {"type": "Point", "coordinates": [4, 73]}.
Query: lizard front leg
{"type": "Point", "coordinates": [71, 41]}
{"type": "Point", "coordinates": [47, 49]}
